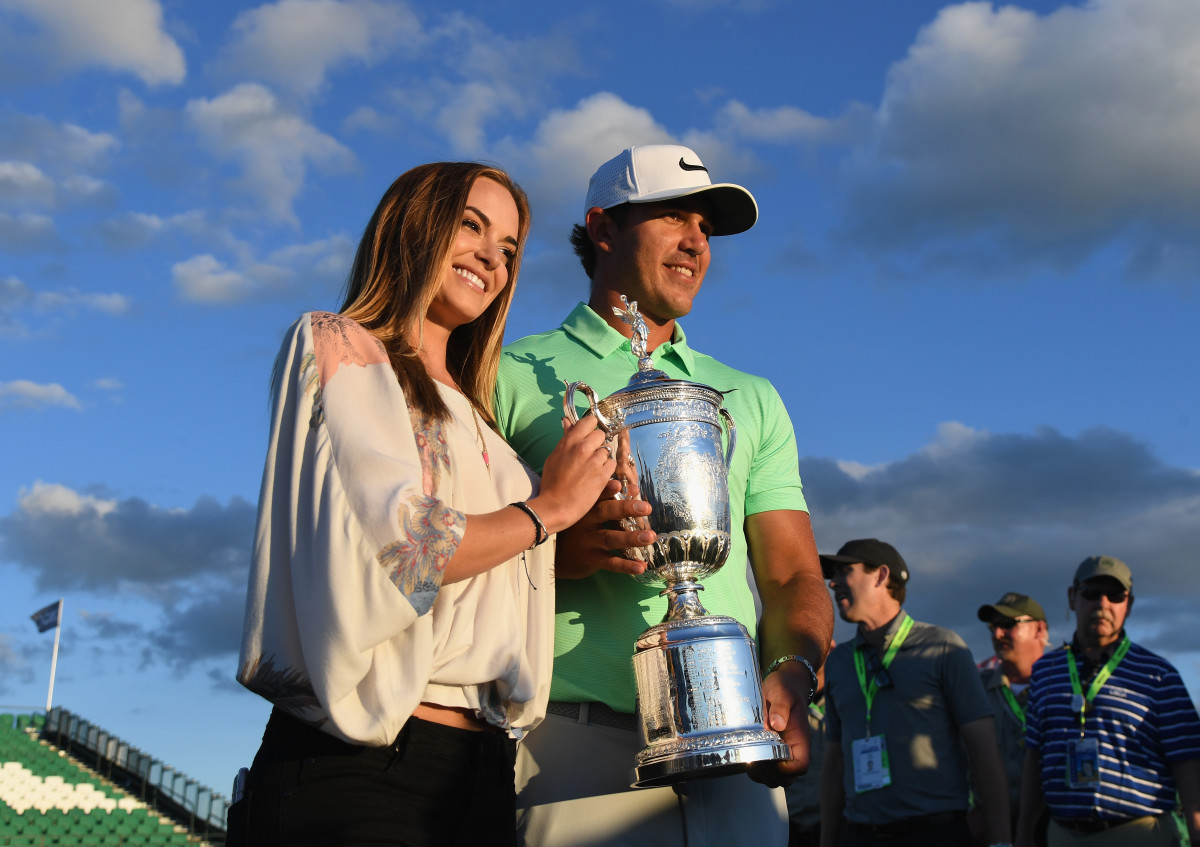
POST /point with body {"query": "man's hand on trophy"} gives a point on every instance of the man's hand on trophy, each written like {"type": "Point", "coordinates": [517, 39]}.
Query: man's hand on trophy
{"type": "Point", "coordinates": [597, 541]}
{"type": "Point", "coordinates": [785, 701]}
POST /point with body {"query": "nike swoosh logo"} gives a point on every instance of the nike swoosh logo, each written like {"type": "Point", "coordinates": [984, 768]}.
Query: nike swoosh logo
{"type": "Point", "coordinates": [688, 167]}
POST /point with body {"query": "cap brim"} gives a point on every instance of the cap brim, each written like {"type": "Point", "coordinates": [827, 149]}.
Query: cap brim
{"type": "Point", "coordinates": [828, 561]}
{"type": "Point", "coordinates": [985, 612]}
{"type": "Point", "coordinates": [734, 208]}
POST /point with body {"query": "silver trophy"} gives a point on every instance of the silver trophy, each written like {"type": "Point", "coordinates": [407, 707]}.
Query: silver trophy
{"type": "Point", "coordinates": [700, 708]}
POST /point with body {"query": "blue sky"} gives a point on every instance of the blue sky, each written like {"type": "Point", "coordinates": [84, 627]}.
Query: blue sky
{"type": "Point", "coordinates": [974, 282]}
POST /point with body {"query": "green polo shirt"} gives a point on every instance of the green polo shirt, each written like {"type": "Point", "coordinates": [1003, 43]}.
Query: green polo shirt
{"type": "Point", "coordinates": [598, 618]}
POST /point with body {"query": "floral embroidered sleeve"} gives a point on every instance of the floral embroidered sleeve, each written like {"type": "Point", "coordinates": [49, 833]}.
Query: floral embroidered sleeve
{"type": "Point", "coordinates": [389, 458]}
{"type": "Point", "coordinates": [348, 625]}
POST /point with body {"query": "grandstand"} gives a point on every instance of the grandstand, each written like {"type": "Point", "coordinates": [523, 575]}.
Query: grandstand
{"type": "Point", "coordinates": [64, 781]}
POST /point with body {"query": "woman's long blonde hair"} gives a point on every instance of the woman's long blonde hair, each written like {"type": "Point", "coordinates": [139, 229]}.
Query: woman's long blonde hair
{"type": "Point", "coordinates": [398, 269]}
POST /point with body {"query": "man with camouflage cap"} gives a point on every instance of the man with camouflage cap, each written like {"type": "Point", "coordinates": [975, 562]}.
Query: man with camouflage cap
{"type": "Point", "coordinates": [1111, 733]}
{"type": "Point", "coordinates": [1020, 635]}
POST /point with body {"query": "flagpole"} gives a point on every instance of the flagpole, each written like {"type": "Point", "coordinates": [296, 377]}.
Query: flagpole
{"type": "Point", "coordinates": [54, 659]}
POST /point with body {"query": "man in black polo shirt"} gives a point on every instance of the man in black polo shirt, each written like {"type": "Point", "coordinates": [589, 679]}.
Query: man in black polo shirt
{"type": "Point", "coordinates": [903, 702]}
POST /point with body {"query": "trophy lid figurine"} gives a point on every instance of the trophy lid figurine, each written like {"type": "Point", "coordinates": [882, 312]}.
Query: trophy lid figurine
{"type": "Point", "coordinates": [700, 710]}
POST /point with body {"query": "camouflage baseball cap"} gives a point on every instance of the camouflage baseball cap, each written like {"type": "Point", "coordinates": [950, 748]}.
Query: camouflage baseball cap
{"type": "Point", "coordinates": [1013, 605]}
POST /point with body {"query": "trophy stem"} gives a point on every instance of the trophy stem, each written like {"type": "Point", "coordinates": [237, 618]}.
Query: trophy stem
{"type": "Point", "coordinates": [683, 600]}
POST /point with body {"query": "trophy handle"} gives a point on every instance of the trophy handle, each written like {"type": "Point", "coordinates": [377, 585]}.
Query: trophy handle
{"type": "Point", "coordinates": [593, 401]}
{"type": "Point", "coordinates": [732, 432]}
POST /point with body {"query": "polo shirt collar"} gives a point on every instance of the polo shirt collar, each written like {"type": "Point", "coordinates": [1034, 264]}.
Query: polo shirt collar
{"type": "Point", "coordinates": [889, 631]}
{"type": "Point", "coordinates": [591, 330]}
{"type": "Point", "coordinates": [1088, 667]}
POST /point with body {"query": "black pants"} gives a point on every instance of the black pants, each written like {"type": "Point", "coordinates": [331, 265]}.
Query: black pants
{"type": "Point", "coordinates": [434, 785]}
{"type": "Point", "coordinates": [942, 830]}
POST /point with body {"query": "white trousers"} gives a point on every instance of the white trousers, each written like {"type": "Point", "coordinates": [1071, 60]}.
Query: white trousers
{"type": "Point", "coordinates": [573, 791]}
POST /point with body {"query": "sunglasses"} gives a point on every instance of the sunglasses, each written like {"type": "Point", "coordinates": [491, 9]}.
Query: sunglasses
{"type": "Point", "coordinates": [878, 672]}
{"type": "Point", "coordinates": [1114, 595]}
{"type": "Point", "coordinates": [1007, 623]}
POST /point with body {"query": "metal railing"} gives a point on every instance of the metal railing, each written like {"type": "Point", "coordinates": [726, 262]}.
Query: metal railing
{"type": "Point", "coordinates": [193, 805]}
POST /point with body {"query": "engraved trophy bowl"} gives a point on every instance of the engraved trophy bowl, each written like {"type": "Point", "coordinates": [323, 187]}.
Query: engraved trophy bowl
{"type": "Point", "coordinates": [699, 690]}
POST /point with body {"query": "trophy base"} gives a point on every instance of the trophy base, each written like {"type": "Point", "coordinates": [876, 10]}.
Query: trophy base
{"type": "Point", "coordinates": [728, 753]}
{"type": "Point", "coordinates": [700, 708]}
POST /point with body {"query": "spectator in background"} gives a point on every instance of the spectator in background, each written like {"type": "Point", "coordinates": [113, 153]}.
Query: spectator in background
{"type": "Point", "coordinates": [1019, 636]}
{"type": "Point", "coordinates": [804, 794]}
{"type": "Point", "coordinates": [1111, 733]}
{"type": "Point", "coordinates": [903, 701]}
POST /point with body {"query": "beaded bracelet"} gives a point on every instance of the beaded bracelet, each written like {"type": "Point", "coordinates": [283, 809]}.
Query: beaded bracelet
{"type": "Point", "coordinates": [539, 529]}
{"type": "Point", "coordinates": [792, 657]}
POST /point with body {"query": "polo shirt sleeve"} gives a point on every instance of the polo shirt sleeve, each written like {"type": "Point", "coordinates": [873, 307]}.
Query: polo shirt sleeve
{"type": "Point", "coordinates": [1179, 725]}
{"type": "Point", "coordinates": [833, 721]}
{"type": "Point", "coordinates": [774, 481]}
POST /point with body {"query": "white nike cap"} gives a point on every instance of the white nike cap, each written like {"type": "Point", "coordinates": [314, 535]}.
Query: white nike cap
{"type": "Point", "coordinates": [656, 172]}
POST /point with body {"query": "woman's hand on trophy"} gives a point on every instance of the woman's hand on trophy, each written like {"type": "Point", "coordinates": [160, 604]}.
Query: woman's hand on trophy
{"type": "Point", "coordinates": [598, 542]}
{"type": "Point", "coordinates": [576, 472]}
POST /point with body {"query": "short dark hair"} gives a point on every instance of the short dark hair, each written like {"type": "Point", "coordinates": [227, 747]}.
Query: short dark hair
{"type": "Point", "coordinates": [582, 244]}
{"type": "Point", "coordinates": [897, 587]}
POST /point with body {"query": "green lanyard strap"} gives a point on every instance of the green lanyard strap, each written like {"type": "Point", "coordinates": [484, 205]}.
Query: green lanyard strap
{"type": "Point", "coordinates": [1014, 705]}
{"type": "Point", "coordinates": [860, 666]}
{"type": "Point", "coordinates": [1097, 683]}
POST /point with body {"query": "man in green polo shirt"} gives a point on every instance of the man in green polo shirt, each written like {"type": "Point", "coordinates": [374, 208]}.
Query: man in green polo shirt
{"type": "Point", "coordinates": [649, 217]}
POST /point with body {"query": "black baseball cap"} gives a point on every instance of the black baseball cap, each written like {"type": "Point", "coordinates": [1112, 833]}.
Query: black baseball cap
{"type": "Point", "coordinates": [869, 551]}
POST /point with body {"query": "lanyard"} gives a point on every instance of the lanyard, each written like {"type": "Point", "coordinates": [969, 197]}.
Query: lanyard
{"type": "Point", "coordinates": [1014, 705]}
{"type": "Point", "coordinates": [1078, 700]}
{"type": "Point", "coordinates": [860, 666]}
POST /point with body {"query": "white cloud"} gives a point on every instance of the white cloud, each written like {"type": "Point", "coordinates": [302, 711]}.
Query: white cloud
{"type": "Point", "coordinates": [294, 44]}
{"type": "Point", "coordinates": [27, 232]}
{"type": "Point", "coordinates": [788, 124]}
{"type": "Point", "coordinates": [976, 514]}
{"type": "Point", "coordinates": [322, 264]}
{"type": "Point", "coordinates": [71, 299]}
{"type": "Point", "coordinates": [366, 119]}
{"type": "Point", "coordinates": [204, 279]}
{"type": "Point", "coordinates": [14, 295]}
{"type": "Point", "coordinates": [484, 76]}
{"type": "Point", "coordinates": [190, 562]}
{"type": "Point", "coordinates": [81, 189]}
{"type": "Point", "coordinates": [129, 230]}
{"type": "Point", "coordinates": [120, 35]}
{"type": "Point", "coordinates": [23, 184]}
{"type": "Point", "coordinates": [569, 144]}
{"type": "Point", "coordinates": [17, 297]}
{"type": "Point", "coordinates": [1046, 135]}
{"type": "Point", "coordinates": [273, 146]}
{"type": "Point", "coordinates": [108, 383]}
{"type": "Point", "coordinates": [23, 395]}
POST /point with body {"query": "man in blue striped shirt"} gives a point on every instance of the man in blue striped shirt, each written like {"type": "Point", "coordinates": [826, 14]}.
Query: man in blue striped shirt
{"type": "Point", "coordinates": [1111, 733]}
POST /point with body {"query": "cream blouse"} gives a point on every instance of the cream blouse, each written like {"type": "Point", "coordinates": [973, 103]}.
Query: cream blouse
{"type": "Point", "coordinates": [364, 500]}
